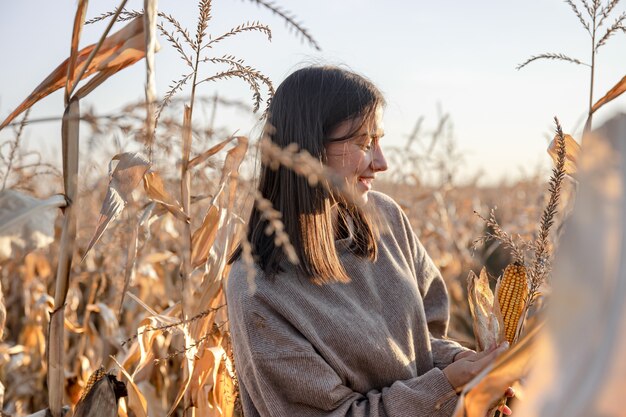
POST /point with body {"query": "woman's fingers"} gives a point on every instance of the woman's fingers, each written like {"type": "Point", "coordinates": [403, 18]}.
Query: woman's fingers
{"type": "Point", "coordinates": [485, 358]}
{"type": "Point", "coordinates": [463, 370]}
{"type": "Point", "coordinates": [464, 354]}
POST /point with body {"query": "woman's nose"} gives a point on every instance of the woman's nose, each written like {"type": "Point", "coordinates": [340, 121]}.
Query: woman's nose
{"type": "Point", "coordinates": [379, 163]}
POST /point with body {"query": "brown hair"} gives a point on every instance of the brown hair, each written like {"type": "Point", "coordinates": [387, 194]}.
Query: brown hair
{"type": "Point", "coordinates": [307, 107]}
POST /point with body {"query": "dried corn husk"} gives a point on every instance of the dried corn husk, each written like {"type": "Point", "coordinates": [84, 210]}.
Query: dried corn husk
{"type": "Point", "coordinates": [487, 321]}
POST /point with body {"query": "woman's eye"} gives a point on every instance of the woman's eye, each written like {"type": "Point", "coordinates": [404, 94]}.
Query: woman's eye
{"type": "Point", "coordinates": [367, 146]}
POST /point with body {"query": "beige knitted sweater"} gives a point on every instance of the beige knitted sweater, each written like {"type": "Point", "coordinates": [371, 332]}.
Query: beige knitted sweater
{"type": "Point", "coordinates": [372, 347]}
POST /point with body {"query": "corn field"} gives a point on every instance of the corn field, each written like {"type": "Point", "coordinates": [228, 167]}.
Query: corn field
{"type": "Point", "coordinates": [112, 285]}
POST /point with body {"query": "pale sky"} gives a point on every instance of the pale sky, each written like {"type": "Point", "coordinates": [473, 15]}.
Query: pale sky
{"type": "Point", "coordinates": [459, 54]}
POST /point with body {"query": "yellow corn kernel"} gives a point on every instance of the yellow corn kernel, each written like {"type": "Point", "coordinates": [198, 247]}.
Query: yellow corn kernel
{"type": "Point", "coordinates": [512, 294]}
{"type": "Point", "coordinates": [93, 378]}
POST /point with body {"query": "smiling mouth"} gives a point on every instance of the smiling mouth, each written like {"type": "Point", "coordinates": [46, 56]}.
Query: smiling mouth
{"type": "Point", "coordinates": [367, 182]}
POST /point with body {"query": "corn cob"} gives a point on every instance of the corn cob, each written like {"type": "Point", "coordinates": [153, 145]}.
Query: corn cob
{"type": "Point", "coordinates": [512, 293]}
{"type": "Point", "coordinates": [93, 378]}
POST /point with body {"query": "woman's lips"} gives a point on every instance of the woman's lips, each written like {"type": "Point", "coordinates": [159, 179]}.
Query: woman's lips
{"type": "Point", "coordinates": [367, 182]}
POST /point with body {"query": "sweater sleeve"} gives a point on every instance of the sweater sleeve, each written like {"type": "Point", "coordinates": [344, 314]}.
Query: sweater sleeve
{"type": "Point", "coordinates": [435, 298]}
{"type": "Point", "coordinates": [303, 384]}
{"type": "Point", "coordinates": [283, 376]}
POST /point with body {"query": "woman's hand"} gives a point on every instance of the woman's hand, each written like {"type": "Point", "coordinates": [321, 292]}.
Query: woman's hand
{"type": "Point", "coordinates": [468, 364]}
{"type": "Point", "coordinates": [504, 409]}
{"type": "Point", "coordinates": [463, 354]}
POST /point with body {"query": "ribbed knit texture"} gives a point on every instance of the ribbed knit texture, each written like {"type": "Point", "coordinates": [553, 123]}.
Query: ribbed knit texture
{"type": "Point", "coordinates": [372, 347]}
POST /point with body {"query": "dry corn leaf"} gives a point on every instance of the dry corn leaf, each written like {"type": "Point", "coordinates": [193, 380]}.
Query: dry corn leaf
{"type": "Point", "coordinates": [131, 254]}
{"type": "Point", "coordinates": [118, 51]}
{"type": "Point", "coordinates": [198, 388]}
{"type": "Point", "coordinates": [154, 186]}
{"type": "Point", "coordinates": [3, 315]}
{"type": "Point", "coordinates": [233, 160]}
{"type": "Point", "coordinates": [26, 222]}
{"type": "Point", "coordinates": [581, 370]}
{"type": "Point", "coordinates": [79, 21]}
{"type": "Point", "coordinates": [189, 365]}
{"type": "Point", "coordinates": [74, 328]}
{"type": "Point", "coordinates": [480, 394]}
{"type": "Point", "coordinates": [216, 217]}
{"type": "Point", "coordinates": [572, 154]}
{"type": "Point", "coordinates": [487, 323]}
{"type": "Point", "coordinates": [127, 175]}
{"type": "Point", "coordinates": [155, 408]}
{"type": "Point", "coordinates": [136, 401]}
{"type": "Point", "coordinates": [203, 238]}
{"type": "Point", "coordinates": [209, 153]}
{"type": "Point", "coordinates": [146, 337]}
{"type": "Point", "coordinates": [150, 39]}
{"type": "Point", "coordinates": [40, 413]}
{"type": "Point", "coordinates": [224, 388]}
{"type": "Point", "coordinates": [109, 319]}
{"type": "Point", "coordinates": [613, 93]}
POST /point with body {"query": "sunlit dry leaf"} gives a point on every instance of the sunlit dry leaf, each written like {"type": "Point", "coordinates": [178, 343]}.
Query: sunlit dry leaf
{"type": "Point", "coordinates": [79, 21]}
{"type": "Point", "coordinates": [204, 371]}
{"type": "Point", "coordinates": [118, 51]}
{"type": "Point", "coordinates": [581, 369]}
{"type": "Point", "coordinates": [136, 401]}
{"type": "Point", "coordinates": [157, 257]}
{"type": "Point", "coordinates": [40, 413]}
{"type": "Point", "coordinates": [207, 154]}
{"type": "Point", "coordinates": [129, 268]}
{"type": "Point", "coordinates": [142, 304]}
{"type": "Point", "coordinates": [224, 388]}
{"type": "Point", "coordinates": [111, 325]}
{"type": "Point", "coordinates": [487, 324]}
{"type": "Point", "coordinates": [481, 393]}
{"type": "Point", "coordinates": [73, 327]}
{"type": "Point", "coordinates": [613, 93]}
{"type": "Point", "coordinates": [233, 160]}
{"type": "Point", "coordinates": [572, 154]}
{"type": "Point", "coordinates": [189, 364]}
{"type": "Point", "coordinates": [26, 222]}
{"type": "Point", "coordinates": [155, 408]}
{"type": "Point", "coordinates": [36, 264]}
{"type": "Point", "coordinates": [148, 332]}
{"type": "Point", "coordinates": [127, 175]}
{"type": "Point", "coordinates": [154, 186]}
{"type": "Point", "coordinates": [204, 237]}
{"type": "Point", "coordinates": [3, 313]}
{"type": "Point", "coordinates": [150, 39]}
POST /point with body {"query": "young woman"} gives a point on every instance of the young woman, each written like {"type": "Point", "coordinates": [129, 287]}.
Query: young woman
{"type": "Point", "coordinates": [358, 326]}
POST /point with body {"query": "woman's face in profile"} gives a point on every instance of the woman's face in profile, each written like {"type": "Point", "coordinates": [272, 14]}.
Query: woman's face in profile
{"type": "Point", "coordinates": [358, 158]}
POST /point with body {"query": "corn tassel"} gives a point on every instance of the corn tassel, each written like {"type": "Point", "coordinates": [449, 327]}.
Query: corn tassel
{"type": "Point", "coordinates": [512, 294]}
